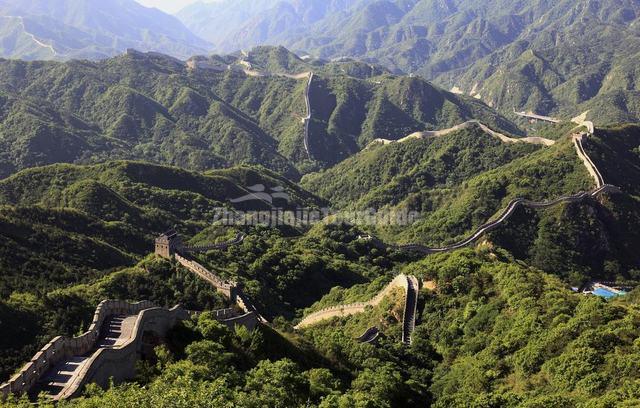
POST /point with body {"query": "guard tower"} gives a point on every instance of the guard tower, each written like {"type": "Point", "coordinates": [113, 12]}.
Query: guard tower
{"type": "Point", "coordinates": [168, 244]}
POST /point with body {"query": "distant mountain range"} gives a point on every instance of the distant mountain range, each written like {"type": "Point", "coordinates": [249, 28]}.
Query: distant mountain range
{"type": "Point", "coordinates": [64, 29]}
{"type": "Point", "coordinates": [560, 57]}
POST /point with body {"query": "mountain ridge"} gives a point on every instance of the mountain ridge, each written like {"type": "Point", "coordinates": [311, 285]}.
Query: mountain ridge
{"type": "Point", "coordinates": [213, 112]}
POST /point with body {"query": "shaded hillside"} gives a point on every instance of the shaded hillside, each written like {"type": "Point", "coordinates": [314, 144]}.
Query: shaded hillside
{"type": "Point", "coordinates": [413, 165]}
{"type": "Point", "coordinates": [65, 223]}
{"type": "Point", "coordinates": [156, 108]}
{"type": "Point", "coordinates": [451, 212]}
{"type": "Point", "coordinates": [460, 181]}
{"type": "Point", "coordinates": [598, 239]}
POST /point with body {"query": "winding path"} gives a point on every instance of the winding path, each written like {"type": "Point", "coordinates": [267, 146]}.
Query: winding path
{"type": "Point", "coordinates": [61, 380]}
{"type": "Point", "coordinates": [466, 125]}
{"type": "Point", "coordinates": [504, 215]}
{"type": "Point", "coordinates": [230, 290]}
{"type": "Point", "coordinates": [589, 164]}
{"type": "Point", "coordinates": [410, 285]}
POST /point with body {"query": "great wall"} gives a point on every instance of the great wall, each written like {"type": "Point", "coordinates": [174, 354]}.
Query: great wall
{"type": "Point", "coordinates": [408, 283]}
{"type": "Point", "coordinates": [504, 215]}
{"type": "Point", "coordinates": [170, 245]}
{"type": "Point", "coordinates": [115, 339]}
{"type": "Point", "coordinates": [411, 284]}
{"type": "Point", "coordinates": [108, 350]}
{"type": "Point", "coordinates": [307, 119]}
{"type": "Point", "coordinates": [428, 134]}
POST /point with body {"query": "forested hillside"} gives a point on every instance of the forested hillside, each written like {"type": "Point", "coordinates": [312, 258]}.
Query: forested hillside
{"type": "Point", "coordinates": [64, 224]}
{"type": "Point", "coordinates": [460, 246]}
{"type": "Point", "coordinates": [97, 223]}
{"type": "Point", "coordinates": [459, 181]}
{"type": "Point", "coordinates": [156, 108]}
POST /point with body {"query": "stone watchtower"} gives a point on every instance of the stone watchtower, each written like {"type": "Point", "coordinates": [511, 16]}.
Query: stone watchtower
{"type": "Point", "coordinates": [168, 243]}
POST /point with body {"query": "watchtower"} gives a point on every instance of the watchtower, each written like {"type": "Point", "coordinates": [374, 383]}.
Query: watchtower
{"type": "Point", "coordinates": [168, 243]}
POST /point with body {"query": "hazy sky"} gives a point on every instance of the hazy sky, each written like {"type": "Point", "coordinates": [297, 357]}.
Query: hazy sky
{"type": "Point", "coordinates": [170, 6]}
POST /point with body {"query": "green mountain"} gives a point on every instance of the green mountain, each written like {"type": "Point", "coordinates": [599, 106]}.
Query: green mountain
{"type": "Point", "coordinates": [65, 29]}
{"type": "Point", "coordinates": [198, 116]}
{"type": "Point", "coordinates": [384, 174]}
{"type": "Point", "coordinates": [97, 158]}
{"type": "Point", "coordinates": [64, 224]}
{"type": "Point", "coordinates": [460, 181]}
{"type": "Point", "coordinates": [560, 58]}
{"type": "Point", "coordinates": [74, 235]}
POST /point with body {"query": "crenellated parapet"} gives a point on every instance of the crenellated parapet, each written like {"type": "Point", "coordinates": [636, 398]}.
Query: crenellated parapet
{"type": "Point", "coordinates": [400, 281]}
{"type": "Point", "coordinates": [222, 286]}
{"type": "Point", "coordinates": [63, 347]}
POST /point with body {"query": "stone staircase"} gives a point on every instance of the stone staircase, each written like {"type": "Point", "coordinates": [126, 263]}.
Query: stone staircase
{"type": "Point", "coordinates": [114, 332]}
{"type": "Point", "coordinates": [410, 309]}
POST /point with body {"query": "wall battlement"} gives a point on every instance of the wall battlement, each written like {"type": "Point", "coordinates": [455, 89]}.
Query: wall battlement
{"type": "Point", "coordinates": [400, 281]}
{"type": "Point", "coordinates": [63, 347]}
{"type": "Point", "coordinates": [106, 363]}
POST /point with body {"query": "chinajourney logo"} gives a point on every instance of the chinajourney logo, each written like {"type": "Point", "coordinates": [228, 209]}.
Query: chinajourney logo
{"type": "Point", "coordinates": [300, 216]}
{"type": "Point", "coordinates": [258, 192]}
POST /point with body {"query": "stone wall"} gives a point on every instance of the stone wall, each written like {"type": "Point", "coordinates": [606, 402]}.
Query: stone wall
{"type": "Point", "coordinates": [119, 363]}
{"type": "Point", "coordinates": [62, 347]}
{"type": "Point", "coordinates": [410, 309]}
{"type": "Point", "coordinates": [399, 281]}
{"type": "Point", "coordinates": [586, 160]}
{"type": "Point", "coordinates": [226, 288]}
